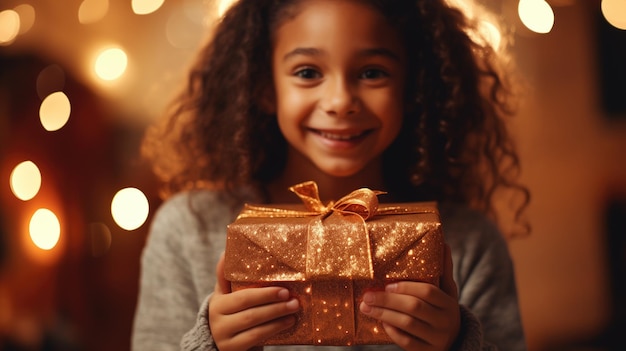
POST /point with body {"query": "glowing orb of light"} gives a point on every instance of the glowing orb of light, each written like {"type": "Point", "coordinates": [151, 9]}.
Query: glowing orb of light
{"type": "Point", "coordinates": [45, 229]}
{"type": "Point", "coordinates": [25, 180]}
{"type": "Point", "coordinates": [536, 15]}
{"type": "Point", "coordinates": [615, 12]}
{"type": "Point", "coordinates": [111, 64]}
{"type": "Point", "coordinates": [54, 111]}
{"type": "Point", "coordinates": [130, 208]}
{"type": "Point", "coordinates": [144, 7]}
{"type": "Point", "coordinates": [9, 26]}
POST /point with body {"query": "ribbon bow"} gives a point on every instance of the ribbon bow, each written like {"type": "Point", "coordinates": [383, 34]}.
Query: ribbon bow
{"type": "Point", "coordinates": [338, 239]}
{"type": "Point", "coordinates": [362, 202]}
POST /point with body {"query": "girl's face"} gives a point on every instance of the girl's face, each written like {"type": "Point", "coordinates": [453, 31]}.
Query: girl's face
{"type": "Point", "coordinates": [339, 72]}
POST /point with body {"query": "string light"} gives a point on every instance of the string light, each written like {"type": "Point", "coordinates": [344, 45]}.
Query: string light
{"type": "Point", "coordinates": [130, 208]}
{"type": "Point", "coordinates": [111, 64]}
{"type": "Point", "coordinates": [144, 7]}
{"type": "Point", "coordinates": [614, 11]}
{"type": "Point", "coordinates": [92, 11]}
{"type": "Point", "coordinates": [25, 180]}
{"type": "Point", "coordinates": [9, 26]}
{"type": "Point", "coordinates": [27, 17]}
{"type": "Point", "coordinates": [45, 229]}
{"type": "Point", "coordinates": [536, 15]}
{"type": "Point", "coordinates": [54, 111]}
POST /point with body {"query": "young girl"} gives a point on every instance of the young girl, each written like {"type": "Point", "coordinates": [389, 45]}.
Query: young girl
{"type": "Point", "coordinates": [389, 95]}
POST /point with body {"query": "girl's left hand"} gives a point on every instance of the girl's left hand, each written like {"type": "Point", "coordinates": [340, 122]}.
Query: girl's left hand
{"type": "Point", "coordinates": [418, 316]}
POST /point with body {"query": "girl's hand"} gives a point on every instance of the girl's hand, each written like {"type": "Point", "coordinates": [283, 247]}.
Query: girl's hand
{"type": "Point", "coordinates": [242, 319]}
{"type": "Point", "coordinates": [418, 316]}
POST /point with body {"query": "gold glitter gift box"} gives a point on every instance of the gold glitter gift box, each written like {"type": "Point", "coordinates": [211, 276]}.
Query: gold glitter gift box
{"type": "Point", "coordinates": [328, 256]}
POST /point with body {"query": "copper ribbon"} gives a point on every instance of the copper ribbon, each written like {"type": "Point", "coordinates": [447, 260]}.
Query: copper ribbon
{"type": "Point", "coordinates": [344, 253]}
{"type": "Point", "coordinates": [332, 253]}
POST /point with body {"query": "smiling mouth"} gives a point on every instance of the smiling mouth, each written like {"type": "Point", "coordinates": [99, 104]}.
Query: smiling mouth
{"type": "Point", "coordinates": [341, 136]}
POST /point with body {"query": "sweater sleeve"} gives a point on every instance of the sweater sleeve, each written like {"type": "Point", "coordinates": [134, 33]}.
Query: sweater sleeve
{"type": "Point", "coordinates": [199, 338]}
{"type": "Point", "coordinates": [484, 273]}
{"type": "Point", "coordinates": [171, 288]}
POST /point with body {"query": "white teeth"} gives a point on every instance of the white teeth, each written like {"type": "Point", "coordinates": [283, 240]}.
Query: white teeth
{"type": "Point", "coordinates": [339, 136]}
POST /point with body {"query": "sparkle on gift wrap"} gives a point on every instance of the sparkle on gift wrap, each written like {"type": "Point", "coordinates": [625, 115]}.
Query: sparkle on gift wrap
{"type": "Point", "coordinates": [288, 241]}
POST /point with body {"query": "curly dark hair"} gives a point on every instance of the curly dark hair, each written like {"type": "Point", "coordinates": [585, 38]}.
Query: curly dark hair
{"type": "Point", "coordinates": [453, 146]}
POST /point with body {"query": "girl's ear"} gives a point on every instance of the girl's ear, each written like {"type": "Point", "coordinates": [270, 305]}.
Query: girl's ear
{"type": "Point", "coordinates": [268, 101]}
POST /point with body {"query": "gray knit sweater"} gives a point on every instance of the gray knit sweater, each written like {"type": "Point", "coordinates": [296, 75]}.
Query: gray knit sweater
{"type": "Point", "coordinates": [188, 235]}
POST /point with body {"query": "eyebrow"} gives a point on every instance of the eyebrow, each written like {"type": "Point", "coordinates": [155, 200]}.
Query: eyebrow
{"type": "Point", "coordinates": [365, 53]}
{"type": "Point", "coordinates": [303, 52]}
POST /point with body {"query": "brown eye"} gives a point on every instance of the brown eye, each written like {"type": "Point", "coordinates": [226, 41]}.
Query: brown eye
{"type": "Point", "coordinates": [373, 74]}
{"type": "Point", "coordinates": [308, 73]}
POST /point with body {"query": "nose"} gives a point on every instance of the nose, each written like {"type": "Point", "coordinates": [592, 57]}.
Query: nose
{"type": "Point", "coordinates": [340, 98]}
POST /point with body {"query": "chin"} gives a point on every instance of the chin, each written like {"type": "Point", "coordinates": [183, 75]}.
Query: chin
{"type": "Point", "coordinates": [340, 173]}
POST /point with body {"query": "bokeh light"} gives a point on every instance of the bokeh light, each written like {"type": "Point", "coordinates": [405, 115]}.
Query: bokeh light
{"type": "Point", "coordinates": [615, 12]}
{"type": "Point", "coordinates": [92, 11]}
{"type": "Point", "coordinates": [130, 208]}
{"type": "Point", "coordinates": [9, 26]}
{"type": "Point", "coordinates": [27, 17]}
{"type": "Point", "coordinates": [181, 32]}
{"type": "Point", "coordinates": [223, 6]}
{"type": "Point", "coordinates": [45, 229]}
{"type": "Point", "coordinates": [536, 15]}
{"type": "Point", "coordinates": [25, 180]}
{"type": "Point", "coordinates": [54, 111]}
{"type": "Point", "coordinates": [111, 64]}
{"type": "Point", "coordinates": [144, 7]}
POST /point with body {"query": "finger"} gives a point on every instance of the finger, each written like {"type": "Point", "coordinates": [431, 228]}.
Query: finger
{"type": "Point", "coordinates": [244, 299]}
{"type": "Point", "coordinates": [428, 293]}
{"type": "Point", "coordinates": [222, 285]}
{"type": "Point", "coordinates": [254, 317]}
{"type": "Point", "coordinates": [448, 285]}
{"type": "Point", "coordinates": [410, 314]}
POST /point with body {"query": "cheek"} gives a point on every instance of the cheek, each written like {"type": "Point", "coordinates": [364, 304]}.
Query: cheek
{"type": "Point", "coordinates": [293, 106]}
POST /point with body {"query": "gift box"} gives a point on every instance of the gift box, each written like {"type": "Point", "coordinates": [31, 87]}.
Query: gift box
{"type": "Point", "coordinates": [328, 256]}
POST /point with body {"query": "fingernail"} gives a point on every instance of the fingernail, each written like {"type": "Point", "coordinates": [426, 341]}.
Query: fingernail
{"type": "Point", "coordinates": [365, 308]}
{"type": "Point", "coordinates": [293, 304]}
{"type": "Point", "coordinates": [283, 294]}
{"type": "Point", "coordinates": [391, 287]}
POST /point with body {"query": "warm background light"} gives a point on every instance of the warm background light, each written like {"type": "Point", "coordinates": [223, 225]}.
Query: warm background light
{"type": "Point", "coordinates": [54, 111]}
{"type": "Point", "coordinates": [144, 7]}
{"type": "Point", "coordinates": [111, 64]}
{"type": "Point", "coordinates": [536, 15]}
{"type": "Point", "coordinates": [223, 6]}
{"type": "Point", "coordinates": [45, 229]}
{"type": "Point", "coordinates": [491, 33]}
{"type": "Point", "coordinates": [615, 12]}
{"type": "Point", "coordinates": [570, 148]}
{"type": "Point", "coordinates": [130, 208]}
{"type": "Point", "coordinates": [27, 17]}
{"type": "Point", "coordinates": [92, 11]}
{"type": "Point", "coordinates": [9, 26]}
{"type": "Point", "coordinates": [25, 180]}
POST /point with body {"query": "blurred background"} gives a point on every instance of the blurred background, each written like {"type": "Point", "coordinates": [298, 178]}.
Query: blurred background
{"type": "Point", "coordinates": [81, 80]}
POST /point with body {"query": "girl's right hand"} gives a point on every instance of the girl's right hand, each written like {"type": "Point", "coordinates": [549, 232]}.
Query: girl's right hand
{"type": "Point", "coordinates": [243, 319]}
